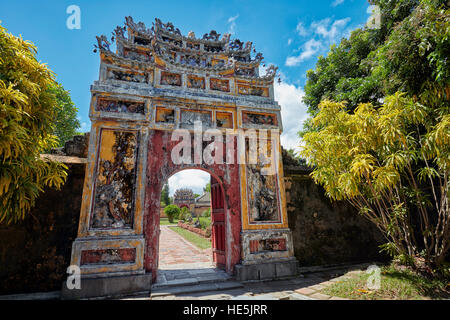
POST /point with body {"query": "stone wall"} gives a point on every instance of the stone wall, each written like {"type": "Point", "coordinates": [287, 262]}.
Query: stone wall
{"type": "Point", "coordinates": [325, 232]}
{"type": "Point", "coordinates": [35, 253]}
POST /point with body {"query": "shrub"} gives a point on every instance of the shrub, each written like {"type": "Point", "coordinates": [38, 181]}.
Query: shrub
{"type": "Point", "coordinates": [207, 213]}
{"type": "Point", "coordinates": [184, 213]}
{"type": "Point", "coordinates": [172, 211]}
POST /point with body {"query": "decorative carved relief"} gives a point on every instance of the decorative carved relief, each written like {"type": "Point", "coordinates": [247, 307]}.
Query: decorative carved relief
{"type": "Point", "coordinates": [265, 245]}
{"type": "Point", "coordinates": [143, 56]}
{"type": "Point", "coordinates": [191, 45]}
{"type": "Point", "coordinates": [259, 119]}
{"type": "Point", "coordinates": [110, 105]}
{"type": "Point", "coordinates": [213, 35]}
{"type": "Point", "coordinates": [219, 85]}
{"type": "Point", "coordinates": [127, 76]}
{"type": "Point", "coordinates": [177, 43]}
{"type": "Point", "coordinates": [194, 61]}
{"type": "Point", "coordinates": [115, 183]}
{"type": "Point", "coordinates": [224, 120]}
{"type": "Point", "coordinates": [164, 115]}
{"type": "Point", "coordinates": [253, 91]}
{"type": "Point", "coordinates": [188, 118]}
{"type": "Point", "coordinates": [196, 82]}
{"type": "Point", "coordinates": [142, 41]}
{"type": "Point", "coordinates": [240, 71]}
{"type": "Point", "coordinates": [213, 48]}
{"type": "Point", "coordinates": [108, 256]}
{"type": "Point", "coordinates": [262, 189]}
{"type": "Point", "coordinates": [172, 79]}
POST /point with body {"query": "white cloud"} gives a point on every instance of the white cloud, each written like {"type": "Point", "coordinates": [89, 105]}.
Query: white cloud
{"type": "Point", "coordinates": [310, 48]}
{"type": "Point", "coordinates": [335, 3]}
{"type": "Point", "coordinates": [289, 41]}
{"type": "Point", "coordinates": [293, 113]}
{"type": "Point", "coordinates": [323, 28]}
{"type": "Point", "coordinates": [232, 22]}
{"type": "Point", "coordinates": [324, 32]}
{"type": "Point", "coordinates": [190, 178]}
{"type": "Point", "coordinates": [301, 30]}
{"type": "Point", "coordinates": [84, 126]}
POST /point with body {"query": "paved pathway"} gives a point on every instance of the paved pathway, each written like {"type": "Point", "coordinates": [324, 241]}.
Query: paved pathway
{"type": "Point", "coordinates": [306, 286]}
{"type": "Point", "coordinates": [177, 253]}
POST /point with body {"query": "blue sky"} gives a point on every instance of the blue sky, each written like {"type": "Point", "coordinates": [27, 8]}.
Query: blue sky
{"type": "Point", "coordinates": [290, 34]}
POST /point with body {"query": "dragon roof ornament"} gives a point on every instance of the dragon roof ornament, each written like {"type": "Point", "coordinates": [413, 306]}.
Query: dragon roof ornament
{"type": "Point", "coordinates": [157, 40]}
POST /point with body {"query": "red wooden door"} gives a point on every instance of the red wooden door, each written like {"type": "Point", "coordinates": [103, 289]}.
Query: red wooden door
{"type": "Point", "coordinates": [218, 223]}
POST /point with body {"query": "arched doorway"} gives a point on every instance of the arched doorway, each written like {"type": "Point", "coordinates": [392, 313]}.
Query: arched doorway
{"type": "Point", "coordinates": [226, 203]}
{"type": "Point", "coordinates": [177, 250]}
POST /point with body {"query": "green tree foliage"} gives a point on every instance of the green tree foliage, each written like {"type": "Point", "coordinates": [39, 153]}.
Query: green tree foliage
{"type": "Point", "coordinates": [27, 112]}
{"type": "Point", "coordinates": [207, 188]}
{"type": "Point", "coordinates": [379, 132]}
{"type": "Point", "coordinates": [172, 211]}
{"type": "Point", "coordinates": [165, 200]}
{"type": "Point", "coordinates": [393, 164]}
{"type": "Point", "coordinates": [409, 49]}
{"type": "Point", "coordinates": [66, 122]}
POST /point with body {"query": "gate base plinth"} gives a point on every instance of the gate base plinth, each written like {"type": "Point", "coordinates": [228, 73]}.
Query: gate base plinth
{"type": "Point", "coordinates": [113, 286]}
{"type": "Point", "coordinates": [267, 271]}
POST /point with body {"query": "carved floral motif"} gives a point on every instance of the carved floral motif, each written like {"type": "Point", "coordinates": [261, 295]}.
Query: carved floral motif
{"type": "Point", "coordinates": [262, 195]}
{"type": "Point", "coordinates": [164, 115]}
{"type": "Point", "coordinates": [110, 105]}
{"type": "Point", "coordinates": [220, 85]}
{"type": "Point", "coordinates": [253, 91]}
{"type": "Point", "coordinates": [196, 82]}
{"type": "Point", "coordinates": [172, 79]}
{"type": "Point", "coordinates": [126, 76]}
{"type": "Point", "coordinates": [188, 118]}
{"type": "Point", "coordinates": [108, 256]}
{"type": "Point", "coordinates": [278, 244]}
{"type": "Point", "coordinates": [259, 119]}
{"type": "Point", "coordinates": [139, 56]}
{"type": "Point", "coordinates": [115, 183]}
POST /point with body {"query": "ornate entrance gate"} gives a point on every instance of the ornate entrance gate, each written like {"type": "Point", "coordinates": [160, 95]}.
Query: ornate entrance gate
{"type": "Point", "coordinates": [152, 93]}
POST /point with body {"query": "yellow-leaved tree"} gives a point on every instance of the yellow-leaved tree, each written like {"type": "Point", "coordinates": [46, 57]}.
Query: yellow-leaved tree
{"type": "Point", "coordinates": [392, 163]}
{"type": "Point", "coordinates": [27, 111]}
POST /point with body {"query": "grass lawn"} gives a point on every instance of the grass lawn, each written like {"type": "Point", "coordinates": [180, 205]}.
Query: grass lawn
{"type": "Point", "coordinates": [395, 284]}
{"type": "Point", "coordinates": [165, 222]}
{"type": "Point", "coordinates": [193, 238]}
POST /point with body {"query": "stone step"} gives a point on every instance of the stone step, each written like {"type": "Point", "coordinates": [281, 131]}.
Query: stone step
{"type": "Point", "coordinates": [199, 287]}
{"type": "Point", "coordinates": [191, 280]}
